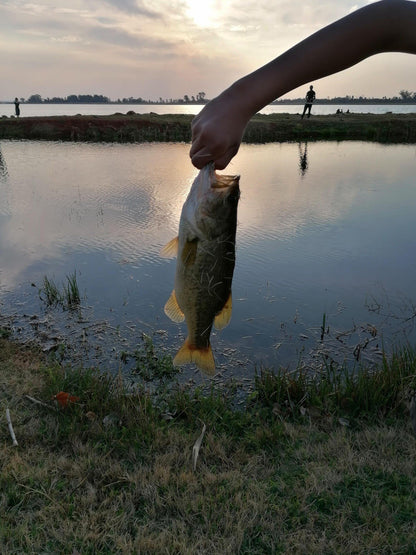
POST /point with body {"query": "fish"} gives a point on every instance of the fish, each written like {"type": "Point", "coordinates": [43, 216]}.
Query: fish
{"type": "Point", "coordinates": [205, 251]}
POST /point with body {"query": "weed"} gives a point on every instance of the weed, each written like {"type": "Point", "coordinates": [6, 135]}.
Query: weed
{"type": "Point", "coordinates": [68, 298]}
{"type": "Point", "coordinates": [5, 332]}
{"type": "Point", "coordinates": [151, 365]}
{"type": "Point", "coordinates": [50, 292]}
{"type": "Point", "coordinates": [71, 291]}
{"type": "Point", "coordinates": [338, 390]}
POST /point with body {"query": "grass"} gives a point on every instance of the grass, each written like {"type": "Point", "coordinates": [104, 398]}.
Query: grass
{"type": "Point", "coordinates": [340, 391]}
{"type": "Point", "coordinates": [262, 128]}
{"type": "Point", "coordinates": [152, 365]}
{"type": "Point", "coordinates": [323, 465]}
{"type": "Point", "coordinates": [68, 297]}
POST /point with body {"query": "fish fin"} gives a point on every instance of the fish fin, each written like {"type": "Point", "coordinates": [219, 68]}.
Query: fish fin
{"type": "Point", "coordinates": [203, 358]}
{"type": "Point", "coordinates": [222, 319]}
{"type": "Point", "coordinates": [170, 250]}
{"type": "Point", "coordinates": [172, 309]}
{"type": "Point", "coordinates": [189, 252]}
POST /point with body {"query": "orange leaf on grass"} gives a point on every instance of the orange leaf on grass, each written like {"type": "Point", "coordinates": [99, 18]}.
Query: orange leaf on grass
{"type": "Point", "coordinates": [64, 399]}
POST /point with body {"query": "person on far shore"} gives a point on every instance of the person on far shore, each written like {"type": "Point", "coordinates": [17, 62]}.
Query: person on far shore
{"type": "Point", "coordinates": [17, 106]}
{"type": "Point", "coordinates": [385, 26]}
{"type": "Point", "coordinates": [310, 98]}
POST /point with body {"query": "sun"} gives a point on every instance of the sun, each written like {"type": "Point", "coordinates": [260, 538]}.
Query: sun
{"type": "Point", "coordinates": [201, 12]}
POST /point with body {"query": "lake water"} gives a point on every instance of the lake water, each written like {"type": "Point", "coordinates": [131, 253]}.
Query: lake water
{"type": "Point", "coordinates": [108, 109]}
{"type": "Point", "coordinates": [325, 230]}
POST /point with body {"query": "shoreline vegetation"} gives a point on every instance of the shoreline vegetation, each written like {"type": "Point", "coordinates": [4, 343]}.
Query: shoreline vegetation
{"type": "Point", "coordinates": [306, 464]}
{"type": "Point", "coordinates": [262, 128]}
{"type": "Point", "coordinates": [406, 97]}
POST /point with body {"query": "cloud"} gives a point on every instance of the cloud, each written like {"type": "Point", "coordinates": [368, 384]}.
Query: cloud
{"type": "Point", "coordinates": [135, 7]}
{"type": "Point", "coordinates": [164, 47]}
{"type": "Point", "coordinates": [122, 38]}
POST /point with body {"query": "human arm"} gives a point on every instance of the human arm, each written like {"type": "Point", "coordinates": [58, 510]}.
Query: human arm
{"type": "Point", "coordinates": [386, 26]}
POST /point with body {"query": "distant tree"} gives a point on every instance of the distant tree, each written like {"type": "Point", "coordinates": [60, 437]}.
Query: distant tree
{"type": "Point", "coordinates": [200, 97]}
{"type": "Point", "coordinates": [406, 95]}
{"type": "Point", "coordinates": [35, 99]}
{"type": "Point", "coordinates": [186, 98]}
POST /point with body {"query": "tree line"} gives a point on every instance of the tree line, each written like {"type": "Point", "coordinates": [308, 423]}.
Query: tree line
{"type": "Point", "coordinates": [200, 98]}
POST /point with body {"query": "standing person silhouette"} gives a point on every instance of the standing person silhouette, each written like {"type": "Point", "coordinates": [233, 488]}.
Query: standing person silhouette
{"type": "Point", "coordinates": [310, 97]}
{"type": "Point", "coordinates": [385, 26]}
{"type": "Point", "coordinates": [17, 107]}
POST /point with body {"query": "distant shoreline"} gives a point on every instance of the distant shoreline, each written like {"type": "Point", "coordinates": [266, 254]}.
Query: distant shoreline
{"type": "Point", "coordinates": [262, 128]}
{"type": "Point", "coordinates": [294, 102]}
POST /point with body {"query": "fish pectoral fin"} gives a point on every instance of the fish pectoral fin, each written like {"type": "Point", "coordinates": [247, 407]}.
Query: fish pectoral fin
{"type": "Point", "coordinates": [203, 358]}
{"type": "Point", "coordinates": [171, 249]}
{"type": "Point", "coordinates": [173, 310]}
{"type": "Point", "coordinates": [222, 319]}
{"type": "Point", "coordinates": [189, 252]}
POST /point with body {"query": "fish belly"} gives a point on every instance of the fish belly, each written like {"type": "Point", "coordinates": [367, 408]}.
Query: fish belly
{"type": "Point", "coordinates": [203, 288]}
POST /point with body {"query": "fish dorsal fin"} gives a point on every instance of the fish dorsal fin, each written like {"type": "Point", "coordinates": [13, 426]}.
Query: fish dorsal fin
{"type": "Point", "coordinates": [203, 358]}
{"type": "Point", "coordinates": [189, 252]}
{"type": "Point", "coordinates": [222, 319]}
{"type": "Point", "coordinates": [172, 309]}
{"type": "Point", "coordinates": [171, 249]}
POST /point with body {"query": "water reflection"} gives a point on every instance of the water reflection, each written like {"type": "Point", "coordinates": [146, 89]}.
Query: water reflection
{"type": "Point", "coordinates": [302, 251]}
{"type": "Point", "coordinates": [71, 198]}
{"type": "Point", "coordinates": [303, 157]}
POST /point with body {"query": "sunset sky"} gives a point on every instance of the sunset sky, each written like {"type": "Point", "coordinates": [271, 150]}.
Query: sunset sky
{"type": "Point", "coordinates": [165, 48]}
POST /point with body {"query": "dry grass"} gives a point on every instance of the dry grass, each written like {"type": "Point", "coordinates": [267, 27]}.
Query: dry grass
{"type": "Point", "coordinates": [264, 483]}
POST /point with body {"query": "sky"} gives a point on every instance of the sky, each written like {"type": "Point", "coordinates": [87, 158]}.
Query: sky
{"type": "Point", "coordinates": [171, 48]}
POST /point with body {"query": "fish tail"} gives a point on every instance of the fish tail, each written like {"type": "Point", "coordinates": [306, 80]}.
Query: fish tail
{"type": "Point", "coordinates": [203, 357]}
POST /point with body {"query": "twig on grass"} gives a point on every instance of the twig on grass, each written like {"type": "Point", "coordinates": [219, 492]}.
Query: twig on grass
{"type": "Point", "coordinates": [197, 446]}
{"type": "Point", "coordinates": [40, 402]}
{"type": "Point", "coordinates": [9, 423]}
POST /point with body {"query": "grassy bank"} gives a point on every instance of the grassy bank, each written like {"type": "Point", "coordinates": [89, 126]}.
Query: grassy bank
{"type": "Point", "coordinates": [395, 128]}
{"type": "Point", "coordinates": [323, 465]}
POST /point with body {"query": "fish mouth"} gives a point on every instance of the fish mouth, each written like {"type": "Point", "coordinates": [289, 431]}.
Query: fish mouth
{"type": "Point", "coordinates": [220, 181]}
{"type": "Point", "coordinates": [225, 181]}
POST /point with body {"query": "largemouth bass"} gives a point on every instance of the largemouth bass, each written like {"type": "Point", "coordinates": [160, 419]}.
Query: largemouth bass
{"type": "Point", "coordinates": [205, 250]}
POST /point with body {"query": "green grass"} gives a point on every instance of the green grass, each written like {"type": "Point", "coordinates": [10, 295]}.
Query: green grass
{"type": "Point", "coordinates": [262, 128]}
{"type": "Point", "coordinates": [151, 365]}
{"type": "Point", "coordinates": [50, 292]}
{"type": "Point", "coordinates": [340, 391]}
{"type": "Point", "coordinates": [280, 473]}
{"type": "Point", "coordinates": [68, 297]}
{"type": "Point", "coordinates": [5, 332]}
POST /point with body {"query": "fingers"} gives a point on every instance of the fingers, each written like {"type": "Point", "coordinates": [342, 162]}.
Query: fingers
{"type": "Point", "coordinates": [214, 138]}
{"type": "Point", "coordinates": [221, 162]}
{"type": "Point", "coordinates": [202, 157]}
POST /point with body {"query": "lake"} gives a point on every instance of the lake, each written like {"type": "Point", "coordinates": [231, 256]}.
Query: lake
{"type": "Point", "coordinates": [326, 250]}
{"type": "Point", "coordinates": [28, 110]}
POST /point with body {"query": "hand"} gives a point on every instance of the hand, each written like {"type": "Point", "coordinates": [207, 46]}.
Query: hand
{"type": "Point", "coordinates": [217, 132]}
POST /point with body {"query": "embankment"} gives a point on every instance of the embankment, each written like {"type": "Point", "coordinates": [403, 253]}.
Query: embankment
{"type": "Point", "coordinates": [131, 127]}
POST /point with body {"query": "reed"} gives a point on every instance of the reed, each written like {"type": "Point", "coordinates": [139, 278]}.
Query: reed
{"type": "Point", "coordinates": [68, 297]}
{"type": "Point", "coordinates": [50, 292]}
{"type": "Point", "coordinates": [71, 295]}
